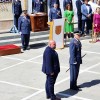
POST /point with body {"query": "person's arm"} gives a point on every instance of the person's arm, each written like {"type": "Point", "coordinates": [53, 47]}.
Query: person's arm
{"type": "Point", "coordinates": [83, 12]}
{"type": "Point", "coordinates": [49, 62]}
{"type": "Point", "coordinates": [50, 15]}
{"type": "Point", "coordinates": [72, 53]}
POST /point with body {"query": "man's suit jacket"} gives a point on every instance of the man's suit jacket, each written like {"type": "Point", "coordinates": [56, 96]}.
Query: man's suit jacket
{"type": "Point", "coordinates": [85, 12]}
{"type": "Point", "coordinates": [78, 6]}
{"type": "Point", "coordinates": [50, 61]}
{"type": "Point", "coordinates": [24, 25]}
{"type": "Point", "coordinates": [51, 3]}
{"type": "Point", "coordinates": [75, 51]}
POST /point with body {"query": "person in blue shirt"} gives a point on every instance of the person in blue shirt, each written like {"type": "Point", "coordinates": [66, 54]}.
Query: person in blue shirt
{"type": "Point", "coordinates": [75, 60]}
{"type": "Point", "coordinates": [55, 12]}
{"type": "Point", "coordinates": [24, 28]}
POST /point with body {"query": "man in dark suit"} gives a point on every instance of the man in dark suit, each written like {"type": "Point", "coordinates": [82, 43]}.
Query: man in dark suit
{"type": "Point", "coordinates": [38, 6]}
{"type": "Point", "coordinates": [55, 12]}
{"type": "Point", "coordinates": [75, 60]}
{"type": "Point", "coordinates": [51, 3]}
{"type": "Point", "coordinates": [86, 11]}
{"type": "Point", "coordinates": [17, 11]}
{"type": "Point", "coordinates": [24, 28]}
{"type": "Point", "coordinates": [79, 14]}
{"type": "Point", "coordinates": [51, 68]}
{"type": "Point", "coordinates": [65, 2]}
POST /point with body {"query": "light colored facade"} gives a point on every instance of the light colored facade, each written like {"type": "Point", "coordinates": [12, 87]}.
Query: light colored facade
{"type": "Point", "coordinates": [6, 14]}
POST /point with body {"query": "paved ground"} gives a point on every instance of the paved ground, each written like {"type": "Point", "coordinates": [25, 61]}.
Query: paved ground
{"type": "Point", "coordinates": [21, 77]}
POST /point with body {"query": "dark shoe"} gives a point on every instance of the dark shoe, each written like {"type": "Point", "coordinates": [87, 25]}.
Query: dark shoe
{"type": "Point", "coordinates": [48, 97]}
{"type": "Point", "coordinates": [24, 49]}
{"type": "Point", "coordinates": [76, 89]}
{"type": "Point", "coordinates": [58, 98]}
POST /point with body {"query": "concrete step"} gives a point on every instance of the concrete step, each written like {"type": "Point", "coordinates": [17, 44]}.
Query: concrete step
{"type": "Point", "coordinates": [14, 38]}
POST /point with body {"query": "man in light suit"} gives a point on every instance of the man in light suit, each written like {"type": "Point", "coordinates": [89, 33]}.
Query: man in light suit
{"type": "Point", "coordinates": [51, 3]}
{"type": "Point", "coordinates": [51, 68]}
{"type": "Point", "coordinates": [55, 12]}
{"type": "Point", "coordinates": [79, 14]}
{"type": "Point", "coordinates": [86, 11]}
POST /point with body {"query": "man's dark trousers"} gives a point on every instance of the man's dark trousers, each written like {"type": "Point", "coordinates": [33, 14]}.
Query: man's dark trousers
{"type": "Point", "coordinates": [79, 23]}
{"type": "Point", "coordinates": [50, 81]}
{"type": "Point", "coordinates": [74, 71]}
{"type": "Point", "coordinates": [16, 20]}
{"type": "Point", "coordinates": [87, 26]}
{"type": "Point", "coordinates": [25, 40]}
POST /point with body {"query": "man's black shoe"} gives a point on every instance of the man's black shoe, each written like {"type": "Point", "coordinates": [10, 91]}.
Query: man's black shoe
{"type": "Point", "coordinates": [48, 97]}
{"type": "Point", "coordinates": [76, 89]}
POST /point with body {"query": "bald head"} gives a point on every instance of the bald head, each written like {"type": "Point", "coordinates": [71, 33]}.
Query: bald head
{"type": "Point", "coordinates": [52, 44]}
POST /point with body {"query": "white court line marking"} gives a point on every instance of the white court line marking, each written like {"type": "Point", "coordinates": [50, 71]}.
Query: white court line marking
{"type": "Point", "coordinates": [20, 63]}
{"type": "Point", "coordinates": [13, 58]}
{"type": "Point", "coordinates": [34, 94]}
{"type": "Point", "coordinates": [93, 72]}
{"type": "Point", "coordinates": [76, 97]}
{"type": "Point", "coordinates": [11, 66]}
{"type": "Point", "coordinates": [19, 85]}
{"type": "Point", "coordinates": [61, 82]}
{"type": "Point", "coordinates": [91, 52]}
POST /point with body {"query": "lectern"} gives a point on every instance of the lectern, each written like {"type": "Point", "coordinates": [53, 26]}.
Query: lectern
{"type": "Point", "coordinates": [57, 32]}
{"type": "Point", "coordinates": [39, 22]}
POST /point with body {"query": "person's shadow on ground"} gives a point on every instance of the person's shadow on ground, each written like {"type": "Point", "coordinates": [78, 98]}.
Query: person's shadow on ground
{"type": "Point", "coordinates": [89, 84]}
{"type": "Point", "coordinates": [68, 93]}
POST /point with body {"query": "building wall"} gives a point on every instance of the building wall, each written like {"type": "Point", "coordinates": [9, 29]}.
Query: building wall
{"type": "Point", "coordinates": [6, 14]}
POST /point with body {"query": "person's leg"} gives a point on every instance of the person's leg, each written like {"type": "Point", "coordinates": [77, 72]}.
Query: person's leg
{"type": "Point", "coordinates": [83, 26]}
{"type": "Point", "coordinates": [95, 37]}
{"type": "Point", "coordinates": [80, 24]}
{"type": "Point", "coordinates": [87, 26]}
{"type": "Point", "coordinates": [76, 73]}
{"type": "Point", "coordinates": [27, 38]}
{"type": "Point", "coordinates": [47, 87]}
{"type": "Point", "coordinates": [51, 81]}
{"type": "Point", "coordinates": [72, 76]}
{"type": "Point", "coordinates": [23, 41]}
{"type": "Point", "coordinates": [15, 20]}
